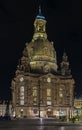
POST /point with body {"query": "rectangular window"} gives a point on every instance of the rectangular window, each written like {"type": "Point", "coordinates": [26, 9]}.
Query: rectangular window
{"type": "Point", "coordinates": [49, 102]}
{"type": "Point", "coordinates": [22, 102]}
{"type": "Point", "coordinates": [22, 95]}
{"type": "Point", "coordinates": [60, 92]}
{"type": "Point", "coordinates": [48, 92]}
{"type": "Point", "coordinates": [35, 99]}
{"type": "Point", "coordinates": [34, 95]}
{"type": "Point", "coordinates": [49, 96]}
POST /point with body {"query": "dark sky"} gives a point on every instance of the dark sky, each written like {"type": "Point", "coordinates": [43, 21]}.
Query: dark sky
{"type": "Point", "coordinates": [64, 27]}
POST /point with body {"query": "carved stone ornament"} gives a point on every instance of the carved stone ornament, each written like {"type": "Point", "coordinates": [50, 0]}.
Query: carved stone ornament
{"type": "Point", "coordinates": [21, 79]}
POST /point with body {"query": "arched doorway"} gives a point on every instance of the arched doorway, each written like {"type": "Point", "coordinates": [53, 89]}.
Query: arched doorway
{"type": "Point", "coordinates": [49, 112]}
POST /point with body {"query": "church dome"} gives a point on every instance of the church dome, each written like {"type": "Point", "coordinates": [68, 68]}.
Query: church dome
{"type": "Point", "coordinates": [42, 56]}
{"type": "Point", "coordinates": [40, 51]}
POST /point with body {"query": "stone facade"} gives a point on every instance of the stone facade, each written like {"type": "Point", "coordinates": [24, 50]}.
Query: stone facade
{"type": "Point", "coordinates": [5, 109]}
{"type": "Point", "coordinates": [39, 88]}
{"type": "Point", "coordinates": [78, 107]}
{"type": "Point", "coordinates": [2, 109]}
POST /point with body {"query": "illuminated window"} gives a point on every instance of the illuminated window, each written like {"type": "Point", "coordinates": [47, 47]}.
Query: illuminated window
{"type": "Point", "coordinates": [49, 102]}
{"type": "Point", "coordinates": [35, 99]}
{"type": "Point", "coordinates": [48, 92]}
{"type": "Point", "coordinates": [49, 96]}
{"type": "Point", "coordinates": [60, 92]}
{"type": "Point", "coordinates": [22, 95]}
{"type": "Point", "coordinates": [35, 95]}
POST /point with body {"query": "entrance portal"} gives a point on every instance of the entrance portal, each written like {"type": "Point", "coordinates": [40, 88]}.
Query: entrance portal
{"type": "Point", "coordinates": [49, 113]}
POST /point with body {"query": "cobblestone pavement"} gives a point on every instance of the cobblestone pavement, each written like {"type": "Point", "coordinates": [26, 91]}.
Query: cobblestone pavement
{"type": "Point", "coordinates": [38, 124]}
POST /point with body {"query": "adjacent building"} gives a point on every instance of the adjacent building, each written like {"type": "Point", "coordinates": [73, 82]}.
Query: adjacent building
{"type": "Point", "coordinates": [39, 88]}
{"type": "Point", "coordinates": [2, 109]}
{"type": "Point", "coordinates": [78, 107]}
{"type": "Point", "coordinates": [5, 108]}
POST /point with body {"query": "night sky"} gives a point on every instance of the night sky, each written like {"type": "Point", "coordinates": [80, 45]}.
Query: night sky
{"type": "Point", "coordinates": [64, 27]}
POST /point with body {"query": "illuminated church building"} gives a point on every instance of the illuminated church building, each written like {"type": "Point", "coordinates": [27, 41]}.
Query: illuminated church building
{"type": "Point", "coordinates": [39, 88]}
